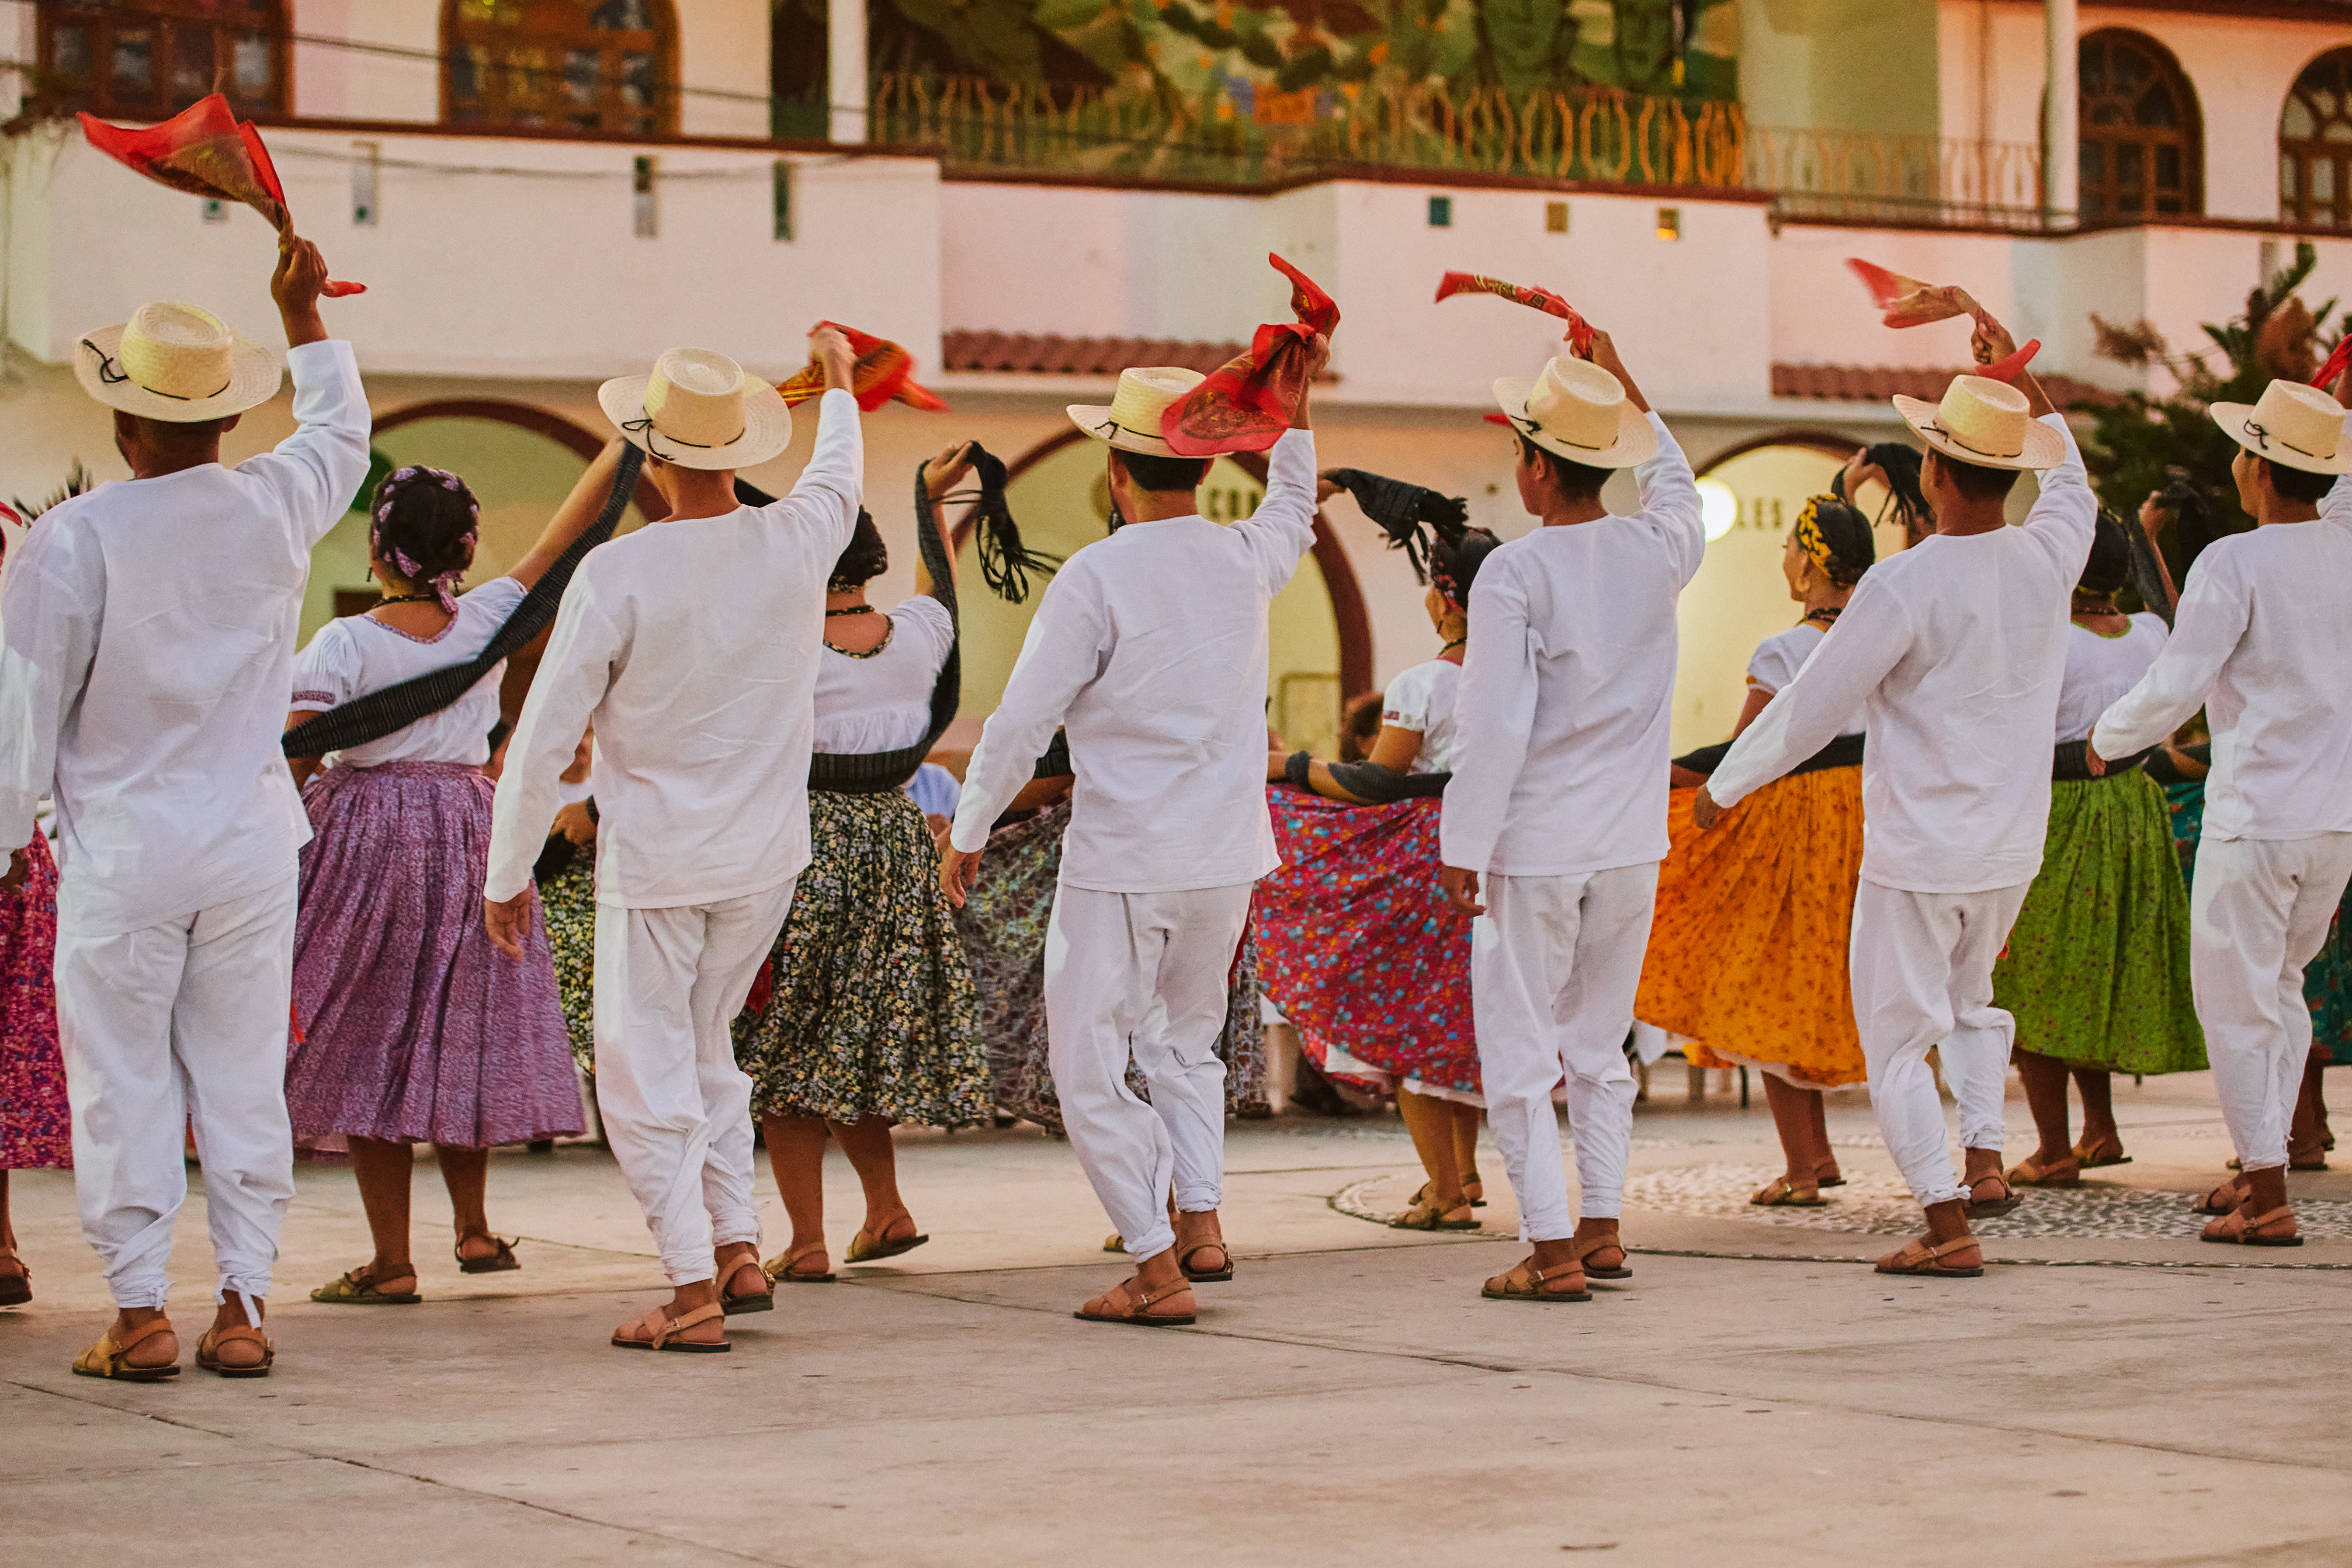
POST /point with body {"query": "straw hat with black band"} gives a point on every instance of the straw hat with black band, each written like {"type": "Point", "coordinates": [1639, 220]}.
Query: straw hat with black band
{"type": "Point", "coordinates": [1579, 411]}
{"type": "Point", "coordinates": [176, 363]}
{"type": "Point", "coordinates": [1129, 422]}
{"type": "Point", "coordinates": [2296, 425]}
{"type": "Point", "coordinates": [1985, 422]}
{"type": "Point", "coordinates": [698, 409]}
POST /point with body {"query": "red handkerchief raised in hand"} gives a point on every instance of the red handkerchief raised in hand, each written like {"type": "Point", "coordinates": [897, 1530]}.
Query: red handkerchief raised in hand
{"type": "Point", "coordinates": [2337, 359]}
{"type": "Point", "coordinates": [205, 151]}
{"type": "Point", "coordinates": [2010, 369]}
{"type": "Point", "coordinates": [1248, 403]}
{"type": "Point", "coordinates": [1908, 302]}
{"type": "Point", "coordinates": [1579, 331]}
{"type": "Point", "coordinates": [884, 372]}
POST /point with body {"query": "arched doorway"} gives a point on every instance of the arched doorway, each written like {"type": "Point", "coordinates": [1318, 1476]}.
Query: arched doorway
{"type": "Point", "coordinates": [1752, 494]}
{"type": "Point", "coordinates": [2315, 144]}
{"type": "Point", "coordinates": [1319, 648]}
{"type": "Point", "coordinates": [2142, 140]}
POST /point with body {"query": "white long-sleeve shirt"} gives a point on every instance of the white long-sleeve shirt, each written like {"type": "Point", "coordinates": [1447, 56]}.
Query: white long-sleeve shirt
{"type": "Point", "coordinates": [147, 637]}
{"type": "Point", "coordinates": [693, 644]}
{"type": "Point", "coordinates": [1149, 647]}
{"type": "Point", "coordinates": [1954, 651]}
{"type": "Point", "coordinates": [2263, 642]}
{"type": "Point", "coordinates": [1560, 743]}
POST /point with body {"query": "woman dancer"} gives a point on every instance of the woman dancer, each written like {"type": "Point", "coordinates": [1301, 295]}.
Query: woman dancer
{"type": "Point", "coordinates": [1747, 949]}
{"type": "Point", "coordinates": [870, 1018]}
{"type": "Point", "coordinates": [412, 1027]}
{"type": "Point", "coordinates": [1357, 894]}
{"type": "Point", "coordinates": [2096, 970]}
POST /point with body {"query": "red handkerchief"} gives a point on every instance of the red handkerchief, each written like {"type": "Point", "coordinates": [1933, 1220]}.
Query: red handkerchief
{"type": "Point", "coordinates": [884, 372]}
{"type": "Point", "coordinates": [1579, 332]}
{"type": "Point", "coordinates": [1249, 401]}
{"type": "Point", "coordinates": [1906, 301]}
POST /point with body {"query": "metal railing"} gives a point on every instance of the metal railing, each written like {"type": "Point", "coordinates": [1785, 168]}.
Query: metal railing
{"type": "Point", "coordinates": [1866, 175]}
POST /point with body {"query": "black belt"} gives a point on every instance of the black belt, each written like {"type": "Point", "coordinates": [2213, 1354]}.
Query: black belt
{"type": "Point", "coordinates": [1845, 752]}
{"type": "Point", "coordinates": [2066, 765]}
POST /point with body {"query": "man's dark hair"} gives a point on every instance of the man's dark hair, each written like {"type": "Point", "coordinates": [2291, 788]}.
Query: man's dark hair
{"type": "Point", "coordinates": [1577, 481]}
{"type": "Point", "coordinates": [865, 558]}
{"type": "Point", "coordinates": [2109, 566]}
{"type": "Point", "coordinates": [1976, 482]}
{"type": "Point", "coordinates": [1158, 474]}
{"type": "Point", "coordinates": [2299, 484]}
{"type": "Point", "coordinates": [190, 439]}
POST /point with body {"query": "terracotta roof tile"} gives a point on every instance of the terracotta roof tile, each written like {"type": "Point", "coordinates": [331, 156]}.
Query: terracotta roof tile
{"type": "Point", "coordinates": [1875, 384]}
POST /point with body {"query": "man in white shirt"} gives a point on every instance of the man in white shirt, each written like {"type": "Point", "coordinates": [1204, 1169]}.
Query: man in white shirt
{"type": "Point", "coordinates": [2262, 642]}
{"type": "Point", "coordinates": [1149, 647]}
{"type": "Point", "coordinates": [692, 645]}
{"type": "Point", "coordinates": [1954, 651]}
{"type": "Point", "coordinates": [1557, 814]}
{"type": "Point", "coordinates": [149, 631]}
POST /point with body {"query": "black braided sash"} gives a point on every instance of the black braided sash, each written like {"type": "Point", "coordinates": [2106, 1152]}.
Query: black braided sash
{"type": "Point", "coordinates": [1845, 752]}
{"type": "Point", "coordinates": [392, 709]}
{"type": "Point", "coordinates": [2067, 764]}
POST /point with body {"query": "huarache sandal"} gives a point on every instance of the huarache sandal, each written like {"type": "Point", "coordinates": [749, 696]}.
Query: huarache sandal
{"type": "Point", "coordinates": [665, 1337]}
{"type": "Point", "coordinates": [2106, 1152]}
{"type": "Point", "coordinates": [734, 1303]}
{"type": "Point", "coordinates": [1915, 1257]}
{"type": "Point", "coordinates": [2242, 1229]}
{"type": "Point", "coordinates": [16, 1288]}
{"type": "Point", "coordinates": [2223, 1199]}
{"type": "Point", "coordinates": [784, 1268]}
{"type": "Point", "coordinates": [1526, 1282]}
{"type": "Point", "coordinates": [1114, 1242]}
{"type": "Point", "coordinates": [208, 1351]}
{"type": "Point", "coordinates": [1992, 1208]}
{"type": "Point", "coordinates": [863, 1250]}
{"type": "Point", "coordinates": [1609, 1241]}
{"type": "Point", "coordinates": [1429, 1215]}
{"type": "Point", "coordinates": [1473, 1192]}
{"type": "Point", "coordinates": [106, 1358]}
{"type": "Point", "coordinates": [2031, 1172]}
{"type": "Point", "coordinates": [1829, 1173]}
{"type": "Point", "coordinates": [497, 1262]}
{"type": "Point", "coordinates": [1224, 1269]}
{"type": "Point", "coordinates": [1781, 1194]}
{"type": "Point", "coordinates": [358, 1289]}
{"type": "Point", "coordinates": [1138, 1308]}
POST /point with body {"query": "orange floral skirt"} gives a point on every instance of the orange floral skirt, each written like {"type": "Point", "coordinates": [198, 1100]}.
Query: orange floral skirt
{"type": "Point", "coordinates": [1748, 952]}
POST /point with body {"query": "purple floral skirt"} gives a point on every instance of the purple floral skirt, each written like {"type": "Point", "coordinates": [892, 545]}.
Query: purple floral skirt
{"type": "Point", "coordinates": [36, 1128]}
{"type": "Point", "coordinates": [412, 1025]}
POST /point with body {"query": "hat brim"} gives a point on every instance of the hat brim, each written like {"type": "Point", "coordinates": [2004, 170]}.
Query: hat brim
{"type": "Point", "coordinates": [1636, 442]}
{"type": "Point", "coordinates": [2237, 422]}
{"type": "Point", "coordinates": [2044, 448]}
{"type": "Point", "coordinates": [254, 376]}
{"type": "Point", "coordinates": [767, 426]}
{"type": "Point", "coordinates": [1096, 420]}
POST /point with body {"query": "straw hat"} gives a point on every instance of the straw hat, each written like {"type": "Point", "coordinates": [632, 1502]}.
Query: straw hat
{"type": "Point", "coordinates": [1984, 421]}
{"type": "Point", "coordinates": [700, 410]}
{"type": "Point", "coordinates": [1130, 422]}
{"type": "Point", "coordinates": [2299, 425]}
{"type": "Point", "coordinates": [178, 363]}
{"type": "Point", "coordinates": [1577, 409]}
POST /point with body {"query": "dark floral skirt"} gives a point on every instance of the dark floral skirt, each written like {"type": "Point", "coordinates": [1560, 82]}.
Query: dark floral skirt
{"type": "Point", "coordinates": [869, 1009]}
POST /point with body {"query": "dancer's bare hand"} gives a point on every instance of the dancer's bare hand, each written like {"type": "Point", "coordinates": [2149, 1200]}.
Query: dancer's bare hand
{"type": "Point", "coordinates": [959, 870]}
{"type": "Point", "coordinates": [577, 826]}
{"type": "Point", "coordinates": [297, 283]}
{"type": "Point", "coordinates": [509, 923]}
{"type": "Point", "coordinates": [20, 865]}
{"type": "Point", "coordinates": [1990, 341]}
{"type": "Point", "coordinates": [946, 470]}
{"type": "Point", "coordinates": [1326, 487]}
{"type": "Point", "coordinates": [2153, 514]}
{"type": "Point", "coordinates": [2094, 763]}
{"type": "Point", "coordinates": [1461, 889]}
{"type": "Point", "coordinates": [833, 352]}
{"type": "Point", "coordinates": [1704, 811]}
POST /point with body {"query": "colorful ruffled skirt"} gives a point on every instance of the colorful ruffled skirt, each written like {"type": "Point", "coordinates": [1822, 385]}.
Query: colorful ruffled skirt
{"type": "Point", "coordinates": [1359, 947]}
{"type": "Point", "coordinates": [2096, 970]}
{"type": "Point", "coordinates": [412, 1027]}
{"type": "Point", "coordinates": [1747, 948]}
{"type": "Point", "coordinates": [36, 1125]}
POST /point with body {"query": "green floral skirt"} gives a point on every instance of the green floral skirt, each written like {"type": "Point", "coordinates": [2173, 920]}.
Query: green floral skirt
{"type": "Point", "coordinates": [2096, 970]}
{"type": "Point", "coordinates": [570, 900]}
{"type": "Point", "coordinates": [870, 1011]}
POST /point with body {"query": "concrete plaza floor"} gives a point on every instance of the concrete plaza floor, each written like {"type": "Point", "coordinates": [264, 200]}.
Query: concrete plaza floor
{"type": "Point", "coordinates": [2115, 1393]}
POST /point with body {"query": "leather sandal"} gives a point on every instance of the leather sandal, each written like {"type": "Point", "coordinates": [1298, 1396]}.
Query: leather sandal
{"type": "Point", "coordinates": [498, 1262]}
{"type": "Point", "coordinates": [1611, 1241]}
{"type": "Point", "coordinates": [1916, 1256]}
{"type": "Point", "coordinates": [785, 1268]}
{"type": "Point", "coordinates": [105, 1359]}
{"type": "Point", "coordinates": [1829, 1176]}
{"type": "Point", "coordinates": [2243, 1229]}
{"type": "Point", "coordinates": [2107, 1151]}
{"type": "Point", "coordinates": [2031, 1172]}
{"type": "Point", "coordinates": [734, 1304]}
{"type": "Point", "coordinates": [1205, 1275]}
{"type": "Point", "coordinates": [865, 1250]}
{"type": "Point", "coordinates": [1426, 1214]}
{"type": "Point", "coordinates": [1526, 1282]}
{"type": "Point", "coordinates": [1779, 1192]}
{"type": "Point", "coordinates": [209, 1351]}
{"type": "Point", "coordinates": [358, 1289]}
{"type": "Point", "coordinates": [665, 1338]}
{"type": "Point", "coordinates": [1138, 1308]}
{"type": "Point", "coordinates": [2223, 1199]}
{"type": "Point", "coordinates": [15, 1288]}
{"type": "Point", "coordinates": [1420, 1198]}
{"type": "Point", "coordinates": [1992, 1208]}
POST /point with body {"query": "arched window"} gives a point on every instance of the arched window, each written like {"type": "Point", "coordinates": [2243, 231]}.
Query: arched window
{"type": "Point", "coordinates": [2315, 144]}
{"type": "Point", "coordinates": [562, 64]}
{"type": "Point", "coordinates": [148, 59]}
{"type": "Point", "coordinates": [2143, 142]}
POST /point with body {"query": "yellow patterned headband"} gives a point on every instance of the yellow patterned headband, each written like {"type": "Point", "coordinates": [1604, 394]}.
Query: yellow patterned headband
{"type": "Point", "coordinates": [1809, 532]}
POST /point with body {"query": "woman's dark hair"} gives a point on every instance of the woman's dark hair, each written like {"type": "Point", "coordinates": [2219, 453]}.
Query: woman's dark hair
{"type": "Point", "coordinates": [1455, 557]}
{"type": "Point", "coordinates": [1158, 474]}
{"type": "Point", "coordinates": [2299, 484]}
{"type": "Point", "coordinates": [2110, 563]}
{"type": "Point", "coordinates": [865, 559]}
{"type": "Point", "coordinates": [1360, 726]}
{"type": "Point", "coordinates": [1577, 481]}
{"type": "Point", "coordinates": [1853, 549]}
{"type": "Point", "coordinates": [425, 523]}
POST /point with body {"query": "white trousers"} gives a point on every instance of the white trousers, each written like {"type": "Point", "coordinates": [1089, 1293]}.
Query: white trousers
{"type": "Point", "coordinates": [1922, 967]}
{"type": "Point", "coordinates": [1143, 975]}
{"type": "Point", "coordinates": [2257, 914]}
{"type": "Point", "coordinates": [677, 1108]}
{"type": "Point", "coordinates": [179, 1021]}
{"type": "Point", "coordinates": [1554, 964]}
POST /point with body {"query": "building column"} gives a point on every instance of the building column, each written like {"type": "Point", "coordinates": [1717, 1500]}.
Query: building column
{"type": "Point", "coordinates": [844, 54]}
{"type": "Point", "coordinates": [2061, 112]}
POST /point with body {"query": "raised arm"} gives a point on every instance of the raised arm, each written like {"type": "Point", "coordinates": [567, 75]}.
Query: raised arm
{"type": "Point", "coordinates": [2214, 610]}
{"type": "Point", "coordinates": [941, 476]}
{"type": "Point", "coordinates": [832, 486]}
{"type": "Point", "coordinates": [48, 636]}
{"type": "Point", "coordinates": [573, 517]}
{"type": "Point", "coordinates": [317, 470]}
{"type": "Point", "coordinates": [1282, 530]}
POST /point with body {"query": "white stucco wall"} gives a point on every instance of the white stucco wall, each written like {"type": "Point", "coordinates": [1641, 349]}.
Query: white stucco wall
{"type": "Point", "coordinates": [398, 78]}
{"type": "Point", "coordinates": [722, 64]}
